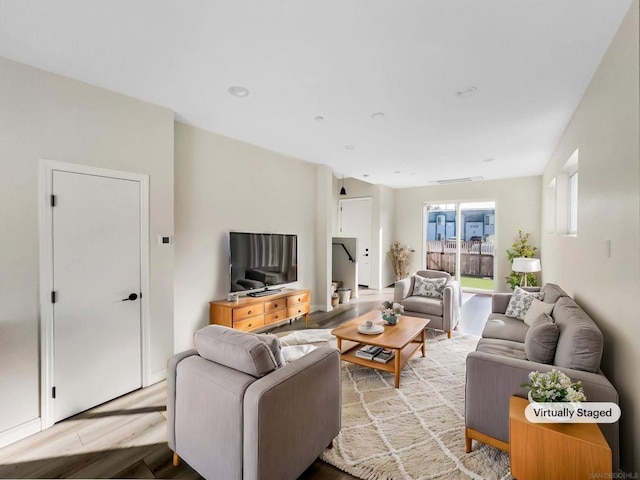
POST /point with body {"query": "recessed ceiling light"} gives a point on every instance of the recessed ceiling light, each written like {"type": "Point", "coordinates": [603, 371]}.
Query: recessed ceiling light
{"type": "Point", "coordinates": [397, 171]}
{"type": "Point", "coordinates": [377, 115]}
{"type": "Point", "coordinates": [238, 91]}
{"type": "Point", "coordinates": [319, 118]}
{"type": "Point", "coordinates": [487, 160]}
{"type": "Point", "coordinates": [366, 175]}
{"type": "Point", "coordinates": [349, 147]}
{"type": "Point", "coordinates": [467, 92]}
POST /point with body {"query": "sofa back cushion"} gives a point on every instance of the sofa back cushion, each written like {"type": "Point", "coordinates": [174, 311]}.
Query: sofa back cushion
{"type": "Point", "coordinates": [541, 340]}
{"type": "Point", "coordinates": [552, 292]}
{"type": "Point", "coordinates": [580, 341]}
{"type": "Point", "coordinates": [241, 351]}
{"type": "Point", "coordinates": [433, 274]}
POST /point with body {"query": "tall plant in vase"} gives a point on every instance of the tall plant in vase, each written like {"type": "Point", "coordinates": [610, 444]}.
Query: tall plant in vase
{"type": "Point", "coordinates": [521, 248]}
{"type": "Point", "coordinates": [399, 257]}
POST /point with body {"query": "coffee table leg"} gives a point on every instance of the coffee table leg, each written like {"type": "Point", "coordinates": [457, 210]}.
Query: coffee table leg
{"type": "Point", "coordinates": [339, 344]}
{"type": "Point", "coordinates": [424, 342]}
{"type": "Point", "coordinates": [396, 361]}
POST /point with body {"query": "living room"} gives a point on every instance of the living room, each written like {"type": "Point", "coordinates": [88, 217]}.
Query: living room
{"type": "Point", "coordinates": [204, 184]}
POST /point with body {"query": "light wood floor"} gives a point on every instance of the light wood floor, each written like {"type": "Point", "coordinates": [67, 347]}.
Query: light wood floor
{"type": "Point", "coordinates": [126, 438]}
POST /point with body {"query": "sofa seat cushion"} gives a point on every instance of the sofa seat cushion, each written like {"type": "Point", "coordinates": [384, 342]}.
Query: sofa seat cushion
{"type": "Point", "coordinates": [580, 341]}
{"type": "Point", "coordinates": [426, 305]}
{"type": "Point", "coordinates": [504, 348]}
{"type": "Point", "coordinates": [503, 327]}
{"type": "Point", "coordinates": [234, 349]}
{"type": "Point", "coordinates": [541, 340]}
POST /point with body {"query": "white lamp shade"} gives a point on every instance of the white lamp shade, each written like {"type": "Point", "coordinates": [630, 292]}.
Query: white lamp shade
{"type": "Point", "coordinates": [526, 265]}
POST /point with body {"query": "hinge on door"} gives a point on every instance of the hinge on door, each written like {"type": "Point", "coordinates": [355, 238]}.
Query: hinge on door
{"type": "Point", "coordinates": [53, 297]}
{"type": "Point", "coordinates": [53, 200]}
{"type": "Point", "coordinates": [53, 392]}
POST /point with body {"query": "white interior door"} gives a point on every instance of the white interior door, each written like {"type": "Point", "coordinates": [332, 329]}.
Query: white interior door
{"type": "Point", "coordinates": [355, 221]}
{"type": "Point", "coordinates": [96, 265]}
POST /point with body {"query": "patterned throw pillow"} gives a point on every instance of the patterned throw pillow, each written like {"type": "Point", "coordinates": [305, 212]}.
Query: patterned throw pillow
{"type": "Point", "coordinates": [520, 302]}
{"type": "Point", "coordinates": [428, 287]}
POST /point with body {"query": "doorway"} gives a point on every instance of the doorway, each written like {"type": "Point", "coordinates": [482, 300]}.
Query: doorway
{"type": "Point", "coordinates": [461, 240]}
{"type": "Point", "coordinates": [94, 246]}
{"type": "Point", "coordinates": [355, 221]}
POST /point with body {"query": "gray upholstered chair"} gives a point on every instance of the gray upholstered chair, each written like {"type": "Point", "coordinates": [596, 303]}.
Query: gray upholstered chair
{"type": "Point", "coordinates": [236, 411]}
{"type": "Point", "coordinates": [444, 312]}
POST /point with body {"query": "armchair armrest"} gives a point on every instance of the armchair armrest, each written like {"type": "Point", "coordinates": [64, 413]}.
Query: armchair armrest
{"type": "Point", "coordinates": [300, 404]}
{"type": "Point", "coordinates": [492, 379]}
{"type": "Point", "coordinates": [402, 289]}
{"type": "Point", "coordinates": [451, 303]}
{"type": "Point", "coordinates": [499, 302]}
{"type": "Point", "coordinates": [171, 394]}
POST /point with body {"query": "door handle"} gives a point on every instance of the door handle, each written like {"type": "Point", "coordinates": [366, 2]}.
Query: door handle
{"type": "Point", "coordinates": [131, 297]}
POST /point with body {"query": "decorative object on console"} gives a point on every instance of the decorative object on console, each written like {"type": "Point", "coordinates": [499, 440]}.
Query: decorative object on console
{"type": "Point", "coordinates": [399, 257]}
{"type": "Point", "coordinates": [390, 312]}
{"type": "Point", "coordinates": [525, 266]}
{"type": "Point", "coordinates": [232, 297]}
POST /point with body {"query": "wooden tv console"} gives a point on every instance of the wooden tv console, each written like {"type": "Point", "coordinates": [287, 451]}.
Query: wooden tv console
{"type": "Point", "coordinates": [252, 313]}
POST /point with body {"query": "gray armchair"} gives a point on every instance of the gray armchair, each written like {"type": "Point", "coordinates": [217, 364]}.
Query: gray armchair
{"type": "Point", "coordinates": [235, 411]}
{"type": "Point", "coordinates": [444, 312]}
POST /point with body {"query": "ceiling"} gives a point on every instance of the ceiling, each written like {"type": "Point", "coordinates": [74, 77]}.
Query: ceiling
{"type": "Point", "coordinates": [530, 62]}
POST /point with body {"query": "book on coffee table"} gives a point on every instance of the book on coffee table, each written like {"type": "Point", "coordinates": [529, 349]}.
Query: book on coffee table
{"type": "Point", "coordinates": [384, 356]}
{"type": "Point", "coordinates": [368, 351]}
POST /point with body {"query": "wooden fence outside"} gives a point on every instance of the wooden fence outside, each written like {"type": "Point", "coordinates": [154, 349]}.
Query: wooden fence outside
{"type": "Point", "coordinates": [476, 258]}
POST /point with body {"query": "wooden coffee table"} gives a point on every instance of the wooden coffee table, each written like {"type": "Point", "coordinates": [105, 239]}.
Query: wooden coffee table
{"type": "Point", "coordinates": [406, 338]}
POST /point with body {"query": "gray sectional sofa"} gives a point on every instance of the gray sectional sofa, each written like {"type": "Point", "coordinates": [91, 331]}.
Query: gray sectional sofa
{"type": "Point", "coordinates": [500, 365]}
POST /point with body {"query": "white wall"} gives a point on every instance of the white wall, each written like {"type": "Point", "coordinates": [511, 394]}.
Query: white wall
{"type": "Point", "coordinates": [382, 224]}
{"type": "Point", "coordinates": [48, 116]}
{"type": "Point", "coordinates": [342, 269]}
{"type": "Point", "coordinates": [605, 129]}
{"type": "Point", "coordinates": [517, 208]}
{"type": "Point", "coordinates": [221, 185]}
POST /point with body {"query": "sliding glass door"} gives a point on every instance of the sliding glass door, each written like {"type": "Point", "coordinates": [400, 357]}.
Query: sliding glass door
{"type": "Point", "coordinates": [460, 239]}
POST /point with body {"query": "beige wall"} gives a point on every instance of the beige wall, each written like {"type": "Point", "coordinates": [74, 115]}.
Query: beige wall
{"type": "Point", "coordinates": [605, 130]}
{"type": "Point", "coordinates": [517, 208]}
{"type": "Point", "coordinates": [221, 185]}
{"type": "Point", "coordinates": [48, 116]}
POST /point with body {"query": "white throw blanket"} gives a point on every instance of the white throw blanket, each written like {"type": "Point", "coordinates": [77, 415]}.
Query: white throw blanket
{"type": "Point", "coordinates": [298, 343]}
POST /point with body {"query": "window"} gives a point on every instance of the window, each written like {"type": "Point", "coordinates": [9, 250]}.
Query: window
{"type": "Point", "coordinates": [561, 202]}
{"type": "Point", "coordinates": [573, 204]}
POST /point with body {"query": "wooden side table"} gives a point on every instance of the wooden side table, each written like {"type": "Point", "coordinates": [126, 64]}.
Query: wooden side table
{"type": "Point", "coordinates": [555, 450]}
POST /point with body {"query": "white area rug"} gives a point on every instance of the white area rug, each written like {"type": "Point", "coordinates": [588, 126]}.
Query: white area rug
{"type": "Point", "coordinates": [415, 432]}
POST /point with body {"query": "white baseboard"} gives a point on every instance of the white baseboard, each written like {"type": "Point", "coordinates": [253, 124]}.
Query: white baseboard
{"type": "Point", "coordinates": [21, 431]}
{"type": "Point", "coordinates": [316, 308]}
{"type": "Point", "coordinates": [158, 376]}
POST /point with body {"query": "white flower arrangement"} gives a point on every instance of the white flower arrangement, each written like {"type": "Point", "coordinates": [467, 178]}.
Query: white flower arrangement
{"type": "Point", "coordinates": [389, 309]}
{"type": "Point", "coordinates": [554, 386]}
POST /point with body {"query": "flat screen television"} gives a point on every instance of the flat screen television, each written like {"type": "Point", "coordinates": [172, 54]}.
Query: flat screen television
{"type": "Point", "coordinates": [261, 260]}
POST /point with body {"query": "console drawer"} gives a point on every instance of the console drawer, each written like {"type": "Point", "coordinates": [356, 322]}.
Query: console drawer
{"type": "Point", "coordinates": [241, 313]}
{"type": "Point", "coordinates": [274, 305]}
{"type": "Point", "coordinates": [295, 299]}
{"type": "Point", "coordinates": [250, 323]}
{"type": "Point", "coordinates": [275, 317]}
{"type": "Point", "coordinates": [299, 309]}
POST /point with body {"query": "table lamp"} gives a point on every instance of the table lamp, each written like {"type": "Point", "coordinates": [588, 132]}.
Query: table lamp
{"type": "Point", "coordinates": [525, 265]}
